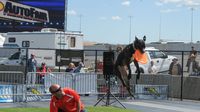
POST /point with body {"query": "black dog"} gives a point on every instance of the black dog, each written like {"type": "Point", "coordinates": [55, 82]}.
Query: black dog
{"type": "Point", "coordinates": [124, 59]}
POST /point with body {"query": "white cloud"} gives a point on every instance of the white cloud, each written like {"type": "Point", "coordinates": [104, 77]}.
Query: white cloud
{"type": "Point", "coordinates": [158, 3]}
{"type": "Point", "coordinates": [168, 10]}
{"type": "Point", "coordinates": [192, 3]}
{"type": "Point", "coordinates": [126, 3]}
{"type": "Point", "coordinates": [116, 18]}
{"type": "Point", "coordinates": [179, 5]}
{"type": "Point", "coordinates": [72, 12]}
{"type": "Point", "coordinates": [188, 3]}
{"type": "Point", "coordinates": [171, 1]}
{"type": "Point", "coordinates": [103, 18]}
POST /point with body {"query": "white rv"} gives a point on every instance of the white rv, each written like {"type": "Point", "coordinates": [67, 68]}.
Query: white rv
{"type": "Point", "coordinates": [48, 38]}
{"type": "Point", "coordinates": [45, 45]}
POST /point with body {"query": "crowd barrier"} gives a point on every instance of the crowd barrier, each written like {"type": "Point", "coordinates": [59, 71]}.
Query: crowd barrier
{"type": "Point", "coordinates": [37, 84]}
{"type": "Point", "coordinates": [15, 87]}
{"type": "Point", "coordinates": [12, 86]}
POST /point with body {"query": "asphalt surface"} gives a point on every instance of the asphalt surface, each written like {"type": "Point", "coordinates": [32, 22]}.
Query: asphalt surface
{"type": "Point", "coordinates": [140, 105]}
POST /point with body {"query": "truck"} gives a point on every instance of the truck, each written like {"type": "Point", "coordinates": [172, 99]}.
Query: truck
{"type": "Point", "coordinates": [49, 46]}
{"type": "Point", "coordinates": [161, 61]}
{"type": "Point", "coordinates": [19, 57]}
{"type": "Point", "coordinates": [2, 39]}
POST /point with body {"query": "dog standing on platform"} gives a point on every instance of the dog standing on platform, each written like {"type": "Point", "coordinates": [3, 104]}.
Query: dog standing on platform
{"type": "Point", "coordinates": [125, 58]}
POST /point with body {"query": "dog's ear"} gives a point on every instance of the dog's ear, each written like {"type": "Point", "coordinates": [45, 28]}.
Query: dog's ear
{"type": "Point", "coordinates": [144, 38]}
{"type": "Point", "coordinates": [136, 39]}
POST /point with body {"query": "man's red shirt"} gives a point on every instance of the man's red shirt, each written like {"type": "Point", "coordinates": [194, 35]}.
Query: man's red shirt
{"type": "Point", "coordinates": [67, 103]}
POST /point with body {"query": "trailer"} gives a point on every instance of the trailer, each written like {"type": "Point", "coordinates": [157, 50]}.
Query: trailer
{"type": "Point", "coordinates": [51, 46]}
{"type": "Point", "coordinates": [47, 38]}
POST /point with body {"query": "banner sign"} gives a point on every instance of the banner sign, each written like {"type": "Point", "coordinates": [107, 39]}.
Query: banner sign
{"type": "Point", "coordinates": [20, 12]}
{"type": "Point", "coordinates": [6, 93]}
{"type": "Point", "coordinates": [143, 91]}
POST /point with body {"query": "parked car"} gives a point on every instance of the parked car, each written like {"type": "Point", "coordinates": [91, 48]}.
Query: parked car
{"type": "Point", "coordinates": [161, 60]}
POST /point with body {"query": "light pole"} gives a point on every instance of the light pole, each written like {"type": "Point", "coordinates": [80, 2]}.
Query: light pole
{"type": "Point", "coordinates": [130, 29]}
{"type": "Point", "coordinates": [159, 36]}
{"type": "Point", "coordinates": [192, 10]}
{"type": "Point", "coordinates": [66, 9]}
{"type": "Point", "coordinates": [59, 56]}
{"type": "Point", "coordinates": [80, 22]}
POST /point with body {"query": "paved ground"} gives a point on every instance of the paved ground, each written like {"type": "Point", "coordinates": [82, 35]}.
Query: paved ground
{"type": "Point", "coordinates": [141, 105]}
{"type": "Point", "coordinates": [164, 106]}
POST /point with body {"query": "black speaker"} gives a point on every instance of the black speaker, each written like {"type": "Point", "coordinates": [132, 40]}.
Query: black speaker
{"type": "Point", "coordinates": [108, 63]}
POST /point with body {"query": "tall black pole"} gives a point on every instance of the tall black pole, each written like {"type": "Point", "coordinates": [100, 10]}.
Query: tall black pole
{"type": "Point", "coordinates": [182, 76]}
{"type": "Point", "coordinates": [95, 65]}
{"type": "Point", "coordinates": [26, 66]}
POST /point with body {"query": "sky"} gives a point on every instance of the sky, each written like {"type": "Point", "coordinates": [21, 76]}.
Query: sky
{"type": "Point", "coordinates": [119, 21]}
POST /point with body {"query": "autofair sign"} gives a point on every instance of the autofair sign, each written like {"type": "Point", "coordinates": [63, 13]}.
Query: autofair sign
{"type": "Point", "coordinates": [20, 12]}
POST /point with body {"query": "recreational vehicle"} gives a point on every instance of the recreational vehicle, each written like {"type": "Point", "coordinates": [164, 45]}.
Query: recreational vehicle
{"type": "Point", "coordinates": [48, 38]}
{"type": "Point", "coordinates": [50, 46]}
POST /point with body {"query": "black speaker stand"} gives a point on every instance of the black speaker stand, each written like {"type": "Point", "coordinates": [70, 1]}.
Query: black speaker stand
{"type": "Point", "coordinates": [108, 94]}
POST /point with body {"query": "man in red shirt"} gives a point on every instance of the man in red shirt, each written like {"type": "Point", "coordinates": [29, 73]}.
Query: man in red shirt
{"type": "Point", "coordinates": [65, 100]}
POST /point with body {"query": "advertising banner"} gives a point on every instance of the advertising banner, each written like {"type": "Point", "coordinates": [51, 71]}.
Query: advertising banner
{"type": "Point", "coordinates": [31, 15]}
{"type": "Point", "coordinates": [6, 93]}
{"type": "Point", "coordinates": [20, 12]}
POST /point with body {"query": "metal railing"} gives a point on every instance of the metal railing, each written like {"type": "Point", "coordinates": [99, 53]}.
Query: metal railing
{"type": "Point", "coordinates": [13, 87]}
{"type": "Point", "coordinates": [79, 83]}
